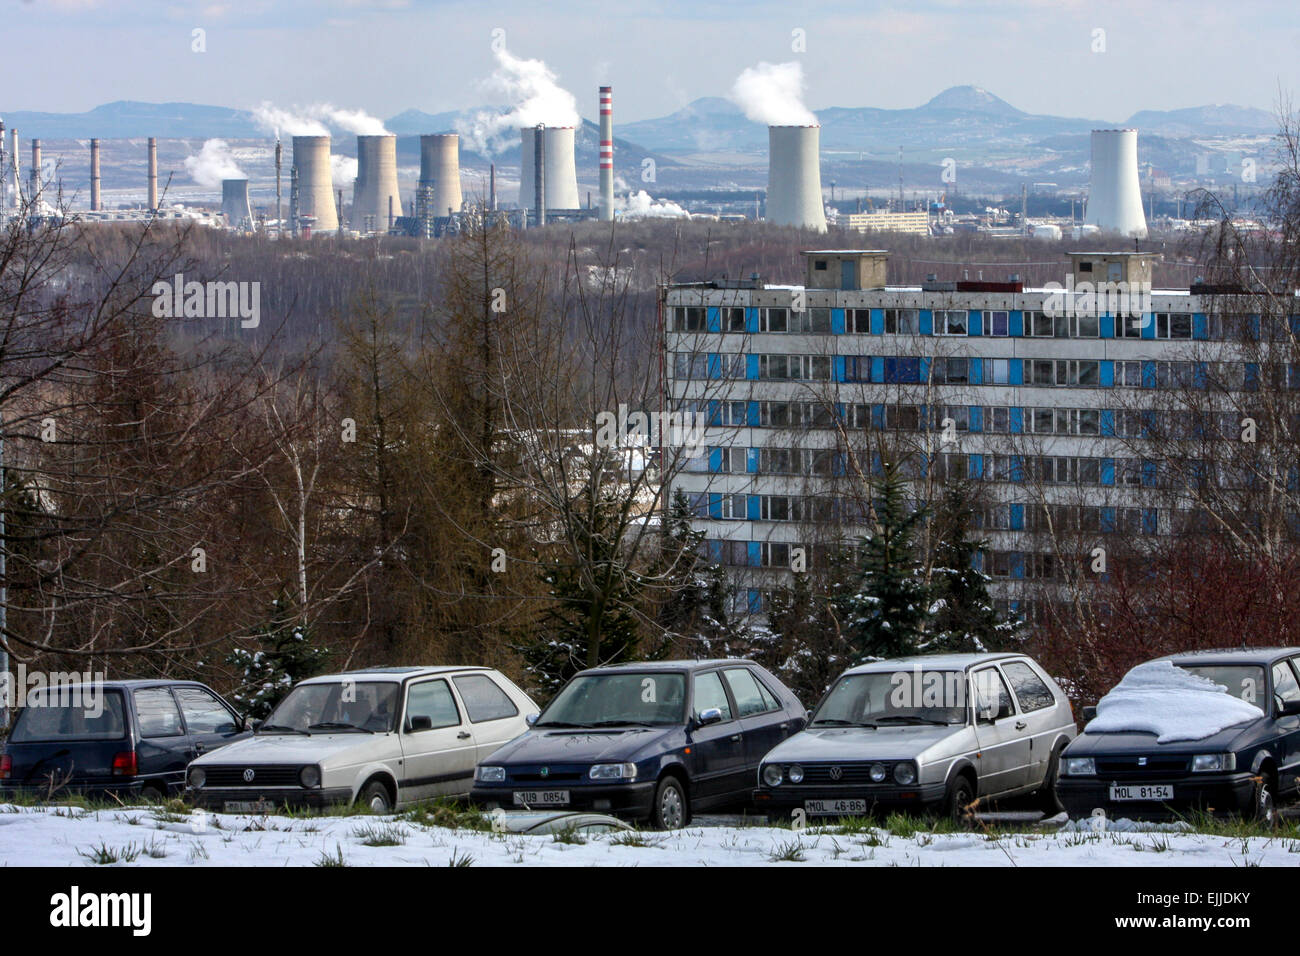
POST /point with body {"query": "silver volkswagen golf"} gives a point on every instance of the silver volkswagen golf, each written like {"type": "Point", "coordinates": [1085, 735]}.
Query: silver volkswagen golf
{"type": "Point", "coordinates": [931, 734]}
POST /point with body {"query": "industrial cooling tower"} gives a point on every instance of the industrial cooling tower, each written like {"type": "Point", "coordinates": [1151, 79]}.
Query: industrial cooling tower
{"type": "Point", "coordinates": [1114, 199]}
{"type": "Point", "coordinates": [794, 179]}
{"type": "Point", "coordinates": [375, 195]}
{"type": "Point", "coordinates": [561, 173]}
{"type": "Point", "coordinates": [311, 161]}
{"type": "Point", "coordinates": [235, 205]}
{"type": "Point", "coordinates": [440, 172]}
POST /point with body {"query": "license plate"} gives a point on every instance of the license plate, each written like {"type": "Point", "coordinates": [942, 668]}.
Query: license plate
{"type": "Point", "coordinates": [246, 806]}
{"type": "Point", "coordinates": [541, 798]}
{"type": "Point", "coordinates": [1148, 792]}
{"type": "Point", "coordinates": [834, 808]}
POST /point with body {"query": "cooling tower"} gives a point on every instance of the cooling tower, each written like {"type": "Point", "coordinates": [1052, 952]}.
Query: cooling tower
{"type": "Point", "coordinates": [1114, 199]}
{"type": "Point", "coordinates": [440, 171]}
{"type": "Point", "coordinates": [794, 179]}
{"type": "Point", "coordinates": [561, 173]}
{"type": "Point", "coordinates": [95, 204]}
{"type": "Point", "coordinates": [153, 173]}
{"type": "Point", "coordinates": [311, 162]}
{"type": "Point", "coordinates": [376, 183]}
{"type": "Point", "coordinates": [607, 153]}
{"type": "Point", "coordinates": [235, 205]}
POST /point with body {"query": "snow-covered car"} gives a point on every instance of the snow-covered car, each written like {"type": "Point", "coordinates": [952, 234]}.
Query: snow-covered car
{"type": "Point", "coordinates": [382, 738]}
{"type": "Point", "coordinates": [932, 733]}
{"type": "Point", "coordinates": [1204, 730]}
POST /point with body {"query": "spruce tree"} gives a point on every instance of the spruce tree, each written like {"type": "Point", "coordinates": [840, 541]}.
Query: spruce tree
{"type": "Point", "coordinates": [286, 655]}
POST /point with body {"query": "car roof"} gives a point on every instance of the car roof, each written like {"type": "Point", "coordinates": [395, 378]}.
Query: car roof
{"type": "Point", "coordinates": [1231, 655]}
{"type": "Point", "coordinates": [673, 665]}
{"type": "Point", "coordinates": [936, 661]}
{"type": "Point", "coordinates": [397, 674]}
{"type": "Point", "coordinates": [129, 683]}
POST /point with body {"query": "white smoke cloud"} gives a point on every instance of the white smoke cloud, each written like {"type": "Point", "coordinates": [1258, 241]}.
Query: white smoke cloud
{"type": "Point", "coordinates": [212, 164]}
{"type": "Point", "coordinates": [343, 169]}
{"type": "Point", "coordinates": [312, 120]}
{"type": "Point", "coordinates": [772, 94]}
{"type": "Point", "coordinates": [640, 205]}
{"type": "Point", "coordinates": [354, 121]}
{"type": "Point", "coordinates": [533, 96]}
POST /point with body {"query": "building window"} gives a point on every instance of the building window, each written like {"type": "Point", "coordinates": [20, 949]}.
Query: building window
{"type": "Point", "coordinates": [1038, 324]}
{"type": "Point", "coordinates": [900, 321]}
{"type": "Point", "coordinates": [951, 322]}
{"type": "Point", "coordinates": [857, 321]}
{"type": "Point", "coordinates": [997, 323]}
{"type": "Point", "coordinates": [997, 371]}
{"type": "Point", "coordinates": [733, 320]}
{"type": "Point", "coordinates": [773, 320]}
{"type": "Point", "coordinates": [902, 371]}
{"type": "Point", "coordinates": [857, 368]}
{"type": "Point", "coordinates": [690, 365]}
{"type": "Point", "coordinates": [997, 419]}
{"type": "Point", "coordinates": [691, 320]}
{"type": "Point", "coordinates": [951, 371]}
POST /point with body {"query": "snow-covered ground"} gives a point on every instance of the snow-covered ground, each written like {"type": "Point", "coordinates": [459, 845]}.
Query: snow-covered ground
{"type": "Point", "coordinates": [140, 836]}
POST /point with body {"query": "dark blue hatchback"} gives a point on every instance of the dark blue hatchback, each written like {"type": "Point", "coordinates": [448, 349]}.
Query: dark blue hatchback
{"type": "Point", "coordinates": [652, 741]}
{"type": "Point", "coordinates": [129, 738]}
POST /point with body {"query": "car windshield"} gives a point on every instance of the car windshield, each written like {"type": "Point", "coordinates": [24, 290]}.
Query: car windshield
{"type": "Point", "coordinates": [607, 700]}
{"type": "Point", "coordinates": [895, 698]}
{"type": "Point", "coordinates": [1245, 681]}
{"type": "Point", "coordinates": [74, 713]}
{"type": "Point", "coordinates": [336, 707]}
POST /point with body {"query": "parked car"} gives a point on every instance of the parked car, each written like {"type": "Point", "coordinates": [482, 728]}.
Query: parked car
{"type": "Point", "coordinates": [128, 738]}
{"type": "Point", "coordinates": [929, 733]}
{"type": "Point", "coordinates": [384, 738]}
{"type": "Point", "coordinates": [654, 741]}
{"type": "Point", "coordinates": [1245, 768]}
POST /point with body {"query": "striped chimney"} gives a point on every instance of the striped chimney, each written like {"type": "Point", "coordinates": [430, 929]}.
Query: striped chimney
{"type": "Point", "coordinates": [607, 153]}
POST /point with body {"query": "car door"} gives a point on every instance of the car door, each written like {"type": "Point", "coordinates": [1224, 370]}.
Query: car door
{"type": "Point", "coordinates": [492, 714]}
{"type": "Point", "coordinates": [438, 753]}
{"type": "Point", "coordinates": [1286, 690]}
{"type": "Point", "coordinates": [163, 750]}
{"type": "Point", "coordinates": [718, 750]}
{"type": "Point", "coordinates": [1037, 706]}
{"type": "Point", "coordinates": [762, 719]}
{"type": "Point", "coordinates": [1003, 756]}
{"type": "Point", "coordinates": [208, 721]}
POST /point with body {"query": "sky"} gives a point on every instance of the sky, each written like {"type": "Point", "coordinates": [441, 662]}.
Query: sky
{"type": "Point", "coordinates": [1094, 59]}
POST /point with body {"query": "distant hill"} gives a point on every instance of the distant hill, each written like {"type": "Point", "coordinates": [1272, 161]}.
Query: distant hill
{"type": "Point", "coordinates": [126, 118]}
{"type": "Point", "coordinates": [1205, 121]}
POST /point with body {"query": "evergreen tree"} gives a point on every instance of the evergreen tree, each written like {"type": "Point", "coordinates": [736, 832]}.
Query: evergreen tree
{"type": "Point", "coordinates": [285, 657]}
{"type": "Point", "coordinates": [804, 645]}
{"type": "Point", "coordinates": [682, 574]}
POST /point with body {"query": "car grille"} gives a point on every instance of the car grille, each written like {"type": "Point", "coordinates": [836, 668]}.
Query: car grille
{"type": "Point", "coordinates": [555, 776]}
{"type": "Point", "coordinates": [851, 774]}
{"type": "Point", "coordinates": [262, 777]}
{"type": "Point", "coordinates": [1156, 768]}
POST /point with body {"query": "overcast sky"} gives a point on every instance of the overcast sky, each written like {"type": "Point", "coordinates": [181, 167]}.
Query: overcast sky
{"type": "Point", "coordinates": [385, 56]}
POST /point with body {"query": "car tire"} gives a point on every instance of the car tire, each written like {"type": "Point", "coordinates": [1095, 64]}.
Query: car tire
{"type": "Point", "coordinates": [1046, 798]}
{"type": "Point", "coordinates": [374, 798]}
{"type": "Point", "coordinates": [671, 809]}
{"type": "Point", "coordinates": [152, 794]}
{"type": "Point", "coordinates": [1263, 803]}
{"type": "Point", "coordinates": [960, 795]}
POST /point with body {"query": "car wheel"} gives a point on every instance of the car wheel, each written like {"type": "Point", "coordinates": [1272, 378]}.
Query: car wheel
{"type": "Point", "coordinates": [1046, 797]}
{"type": "Point", "coordinates": [671, 810]}
{"type": "Point", "coordinates": [374, 798]}
{"type": "Point", "coordinates": [152, 794]}
{"type": "Point", "coordinates": [960, 795]}
{"type": "Point", "coordinates": [1263, 805]}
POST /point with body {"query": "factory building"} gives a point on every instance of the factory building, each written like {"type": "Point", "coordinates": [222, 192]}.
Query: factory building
{"type": "Point", "coordinates": [1028, 393]}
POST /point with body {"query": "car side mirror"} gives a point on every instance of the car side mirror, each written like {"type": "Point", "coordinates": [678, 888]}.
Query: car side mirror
{"type": "Point", "coordinates": [531, 719]}
{"type": "Point", "coordinates": [710, 715]}
{"type": "Point", "coordinates": [1090, 712]}
{"type": "Point", "coordinates": [422, 722]}
{"type": "Point", "coordinates": [1289, 708]}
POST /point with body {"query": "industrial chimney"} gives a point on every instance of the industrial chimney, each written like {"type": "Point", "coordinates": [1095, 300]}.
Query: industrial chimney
{"type": "Point", "coordinates": [153, 173]}
{"type": "Point", "coordinates": [36, 170]}
{"type": "Point", "coordinates": [794, 179]}
{"type": "Point", "coordinates": [1114, 198]}
{"type": "Point", "coordinates": [440, 172]}
{"type": "Point", "coordinates": [561, 174]}
{"type": "Point", "coordinates": [13, 170]}
{"type": "Point", "coordinates": [315, 183]}
{"type": "Point", "coordinates": [607, 153]}
{"type": "Point", "coordinates": [95, 204]}
{"type": "Point", "coordinates": [235, 205]}
{"type": "Point", "coordinates": [376, 183]}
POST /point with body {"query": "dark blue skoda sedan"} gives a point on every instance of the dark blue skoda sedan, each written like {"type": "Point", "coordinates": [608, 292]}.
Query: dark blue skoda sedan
{"type": "Point", "coordinates": [651, 741]}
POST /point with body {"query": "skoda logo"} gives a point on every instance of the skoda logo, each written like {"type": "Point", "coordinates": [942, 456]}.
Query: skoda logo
{"type": "Point", "coordinates": [836, 773]}
{"type": "Point", "coordinates": [545, 771]}
{"type": "Point", "coordinates": [1142, 761]}
{"type": "Point", "coordinates": [248, 776]}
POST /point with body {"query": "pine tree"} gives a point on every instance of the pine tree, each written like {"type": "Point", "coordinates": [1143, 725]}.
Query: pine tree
{"type": "Point", "coordinates": [285, 657]}
{"type": "Point", "coordinates": [805, 645]}
{"type": "Point", "coordinates": [682, 574]}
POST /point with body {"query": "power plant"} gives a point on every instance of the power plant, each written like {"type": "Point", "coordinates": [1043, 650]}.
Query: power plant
{"type": "Point", "coordinates": [235, 205]}
{"type": "Point", "coordinates": [438, 192]}
{"type": "Point", "coordinates": [607, 153]}
{"type": "Point", "coordinates": [312, 194]}
{"type": "Point", "coordinates": [794, 179]}
{"type": "Point", "coordinates": [560, 173]}
{"type": "Point", "coordinates": [375, 200]}
{"type": "Point", "coordinates": [1114, 197]}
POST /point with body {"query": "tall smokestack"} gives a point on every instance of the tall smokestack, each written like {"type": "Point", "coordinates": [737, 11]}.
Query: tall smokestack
{"type": "Point", "coordinates": [492, 187]}
{"type": "Point", "coordinates": [607, 153]}
{"type": "Point", "coordinates": [153, 172]}
{"type": "Point", "coordinates": [1114, 197]}
{"type": "Point", "coordinates": [95, 204]}
{"type": "Point", "coordinates": [279, 156]}
{"type": "Point", "coordinates": [13, 170]}
{"type": "Point", "coordinates": [440, 172]}
{"type": "Point", "coordinates": [561, 172]}
{"type": "Point", "coordinates": [311, 163]}
{"type": "Point", "coordinates": [376, 183]}
{"type": "Point", "coordinates": [539, 174]}
{"type": "Point", "coordinates": [794, 179]}
{"type": "Point", "coordinates": [35, 173]}
{"type": "Point", "coordinates": [235, 205]}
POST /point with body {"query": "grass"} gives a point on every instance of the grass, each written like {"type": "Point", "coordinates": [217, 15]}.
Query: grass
{"type": "Point", "coordinates": [459, 860]}
{"type": "Point", "coordinates": [449, 814]}
{"type": "Point", "coordinates": [633, 838]}
{"type": "Point", "coordinates": [103, 855]}
{"type": "Point", "coordinates": [332, 859]}
{"type": "Point", "coordinates": [571, 835]}
{"type": "Point", "coordinates": [791, 851]}
{"type": "Point", "coordinates": [380, 835]}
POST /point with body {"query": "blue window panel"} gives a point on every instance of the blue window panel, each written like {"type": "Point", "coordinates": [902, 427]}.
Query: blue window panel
{"type": "Point", "coordinates": [751, 367]}
{"type": "Point", "coordinates": [1251, 381]}
{"type": "Point", "coordinates": [877, 321]}
{"type": "Point", "coordinates": [975, 326]}
{"type": "Point", "coordinates": [1016, 420]}
{"type": "Point", "coordinates": [877, 464]}
{"type": "Point", "coordinates": [1148, 325]}
{"type": "Point", "coordinates": [751, 319]}
{"type": "Point", "coordinates": [1017, 564]}
{"type": "Point", "coordinates": [715, 551]}
{"type": "Point", "coordinates": [923, 374]}
{"type": "Point", "coordinates": [1016, 517]}
{"type": "Point", "coordinates": [1108, 519]}
{"type": "Point", "coordinates": [1200, 326]}
{"type": "Point", "coordinates": [899, 370]}
{"type": "Point", "coordinates": [714, 365]}
{"type": "Point", "coordinates": [976, 370]}
{"type": "Point", "coordinates": [753, 415]}
{"type": "Point", "coordinates": [923, 417]}
{"type": "Point", "coordinates": [1107, 374]}
{"type": "Point", "coordinates": [1017, 468]}
{"type": "Point", "coordinates": [1201, 375]}
{"type": "Point", "coordinates": [1016, 372]}
{"type": "Point", "coordinates": [714, 316]}
{"type": "Point", "coordinates": [1017, 323]}
{"type": "Point", "coordinates": [839, 413]}
{"type": "Point", "coordinates": [1108, 422]}
{"type": "Point", "coordinates": [838, 370]}
{"type": "Point", "coordinates": [715, 460]}
{"type": "Point", "coordinates": [975, 467]}
{"type": "Point", "coordinates": [923, 468]}
{"type": "Point", "coordinates": [837, 321]}
{"type": "Point", "coordinates": [926, 322]}
{"type": "Point", "coordinates": [877, 368]}
{"type": "Point", "coordinates": [754, 597]}
{"type": "Point", "coordinates": [1150, 474]}
{"type": "Point", "coordinates": [1106, 325]}
{"type": "Point", "coordinates": [877, 416]}
{"type": "Point", "coordinates": [715, 506]}
{"type": "Point", "coordinates": [1108, 471]}
{"type": "Point", "coordinates": [714, 413]}
{"type": "Point", "coordinates": [839, 464]}
{"type": "Point", "coordinates": [1148, 374]}
{"type": "Point", "coordinates": [751, 460]}
{"type": "Point", "coordinates": [753, 508]}
{"type": "Point", "coordinates": [1254, 326]}
{"type": "Point", "coordinates": [754, 553]}
{"type": "Point", "coordinates": [976, 418]}
{"type": "Point", "coordinates": [1150, 521]}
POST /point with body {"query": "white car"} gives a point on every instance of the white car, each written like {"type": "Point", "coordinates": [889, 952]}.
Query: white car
{"type": "Point", "coordinates": [383, 738]}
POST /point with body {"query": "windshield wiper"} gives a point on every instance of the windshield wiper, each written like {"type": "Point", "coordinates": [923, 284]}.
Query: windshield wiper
{"type": "Point", "coordinates": [558, 723]}
{"type": "Point", "coordinates": [621, 723]}
{"type": "Point", "coordinates": [838, 722]}
{"type": "Point", "coordinates": [912, 718]}
{"type": "Point", "coordinates": [338, 725]}
{"type": "Point", "coordinates": [273, 727]}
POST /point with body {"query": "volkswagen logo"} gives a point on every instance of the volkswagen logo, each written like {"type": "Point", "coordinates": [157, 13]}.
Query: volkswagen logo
{"type": "Point", "coordinates": [248, 775]}
{"type": "Point", "coordinates": [836, 773]}
{"type": "Point", "coordinates": [545, 771]}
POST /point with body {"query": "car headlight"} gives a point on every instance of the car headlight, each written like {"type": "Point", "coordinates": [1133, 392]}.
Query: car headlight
{"type": "Point", "coordinates": [796, 774]}
{"type": "Point", "coordinates": [613, 771]}
{"type": "Point", "coordinates": [309, 776]}
{"type": "Point", "coordinates": [773, 775]}
{"type": "Point", "coordinates": [198, 777]}
{"type": "Point", "coordinates": [878, 773]}
{"type": "Point", "coordinates": [1214, 763]}
{"type": "Point", "coordinates": [904, 773]}
{"type": "Point", "coordinates": [490, 774]}
{"type": "Point", "coordinates": [1079, 767]}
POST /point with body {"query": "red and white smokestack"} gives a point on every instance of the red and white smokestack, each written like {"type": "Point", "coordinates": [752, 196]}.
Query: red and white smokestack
{"type": "Point", "coordinates": [94, 176]}
{"type": "Point", "coordinates": [153, 173]}
{"type": "Point", "coordinates": [607, 153]}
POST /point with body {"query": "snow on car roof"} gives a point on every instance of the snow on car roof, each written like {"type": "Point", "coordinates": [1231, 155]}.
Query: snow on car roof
{"type": "Point", "coordinates": [1160, 698]}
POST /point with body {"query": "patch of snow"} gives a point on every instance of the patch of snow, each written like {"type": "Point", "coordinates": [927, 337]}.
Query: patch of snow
{"type": "Point", "coordinates": [1159, 698]}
